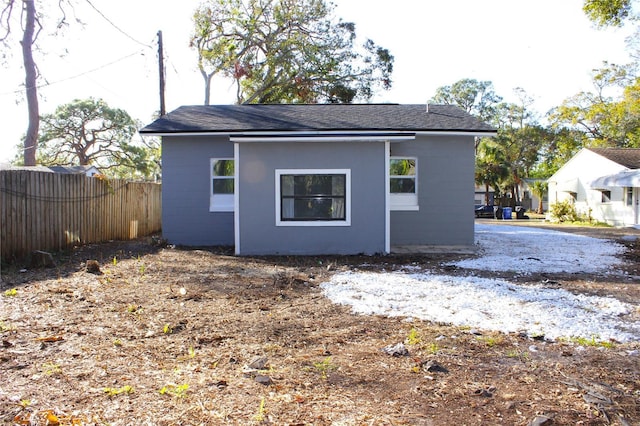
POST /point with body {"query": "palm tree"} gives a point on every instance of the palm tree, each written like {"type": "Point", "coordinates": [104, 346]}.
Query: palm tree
{"type": "Point", "coordinates": [491, 166]}
{"type": "Point", "coordinates": [539, 188]}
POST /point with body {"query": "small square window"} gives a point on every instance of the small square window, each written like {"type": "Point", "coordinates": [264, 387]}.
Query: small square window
{"type": "Point", "coordinates": [606, 196]}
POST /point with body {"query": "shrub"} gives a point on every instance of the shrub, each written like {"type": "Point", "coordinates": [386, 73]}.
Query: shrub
{"type": "Point", "coordinates": [564, 211]}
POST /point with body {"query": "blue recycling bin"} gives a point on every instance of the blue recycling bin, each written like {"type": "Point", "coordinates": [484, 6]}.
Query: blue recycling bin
{"type": "Point", "coordinates": [506, 212]}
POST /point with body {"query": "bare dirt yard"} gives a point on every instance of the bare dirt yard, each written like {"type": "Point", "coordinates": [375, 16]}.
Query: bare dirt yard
{"type": "Point", "coordinates": [134, 333]}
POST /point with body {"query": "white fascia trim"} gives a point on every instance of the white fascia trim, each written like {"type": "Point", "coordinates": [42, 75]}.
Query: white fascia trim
{"type": "Point", "coordinates": [308, 138]}
{"type": "Point", "coordinates": [236, 198]}
{"type": "Point", "coordinates": [456, 133]}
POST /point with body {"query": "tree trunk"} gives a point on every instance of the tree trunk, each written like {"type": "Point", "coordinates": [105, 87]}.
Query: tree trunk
{"type": "Point", "coordinates": [207, 85]}
{"type": "Point", "coordinates": [540, 206]}
{"type": "Point", "coordinates": [31, 139]}
{"type": "Point", "coordinates": [486, 193]}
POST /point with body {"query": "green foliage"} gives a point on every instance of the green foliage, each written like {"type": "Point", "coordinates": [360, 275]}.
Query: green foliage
{"type": "Point", "coordinates": [118, 391]}
{"type": "Point", "coordinates": [491, 165]}
{"type": "Point", "coordinates": [539, 188]}
{"type": "Point", "coordinates": [286, 51]}
{"type": "Point", "coordinates": [90, 132]}
{"type": "Point", "coordinates": [414, 337]}
{"type": "Point", "coordinates": [260, 415]}
{"type": "Point", "coordinates": [604, 120]}
{"type": "Point", "coordinates": [593, 341]}
{"type": "Point", "coordinates": [475, 97]}
{"type": "Point", "coordinates": [5, 327]}
{"type": "Point", "coordinates": [564, 211]}
{"type": "Point", "coordinates": [11, 292]}
{"type": "Point", "coordinates": [178, 391]}
{"type": "Point", "coordinates": [607, 12]}
{"type": "Point", "coordinates": [324, 367]}
{"type": "Point", "coordinates": [51, 369]}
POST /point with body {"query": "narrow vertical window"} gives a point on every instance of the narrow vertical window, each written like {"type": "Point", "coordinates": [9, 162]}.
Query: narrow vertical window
{"type": "Point", "coordinates": [222, 185]}
{"type": "Point", "coordinates": [403, 183]}
{"type": "Point", "coordinates": [629, 196]}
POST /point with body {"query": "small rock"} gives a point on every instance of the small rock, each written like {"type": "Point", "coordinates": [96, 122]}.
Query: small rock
{"type": "Point", "coordinates": [263, 380]}
{"type": "Point", "coordinates": [258, 363]}
{"type": "Point", "coordinates": [41, 259]}
{"type": "Point", "coordinates": [93, 267]}
{"type": "Point", "coordinates": [396, 350]}
{"type": "Point", "coordinates": [541, 421]}
{"type": "Point", "coordinates": [483, 392]}
{"type": "Point", "coordinates": [434, 367]}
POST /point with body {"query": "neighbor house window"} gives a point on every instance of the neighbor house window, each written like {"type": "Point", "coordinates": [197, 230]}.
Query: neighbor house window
{"type": "Point", "coordinates": [313, 197]}
{"type": "Point", "coordinates": [403, 183]}
{"type": "Point", "coordinates": [606, 196]}
{"type": "Point", "coordinates": [629, 196]}
{"type": "Point", "coordinates": [222, 185]}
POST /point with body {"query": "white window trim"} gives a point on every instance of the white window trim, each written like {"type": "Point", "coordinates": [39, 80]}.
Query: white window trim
{"type": "Point", "coordinates": [347, 197]}
{"type": "Point", "coordinates": [404, 202]}
{"type": "Point", "coordinates": [220, 202]}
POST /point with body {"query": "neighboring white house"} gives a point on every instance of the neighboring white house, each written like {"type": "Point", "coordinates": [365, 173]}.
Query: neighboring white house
{"type": "Point", "coordinates": [603, 183]}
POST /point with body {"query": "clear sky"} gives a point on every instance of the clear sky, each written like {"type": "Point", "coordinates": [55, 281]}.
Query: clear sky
{"type": "Point", "coordinates": [547, 47]}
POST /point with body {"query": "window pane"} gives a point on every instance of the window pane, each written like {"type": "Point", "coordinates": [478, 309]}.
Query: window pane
{"type": "Point", "coordinates": [306, 185]}
{"type": "Point", "coordinates": [313, 209]}
{"type": "Point", "coordinates": [286, 185]}
{"type": "Point", "coordinates": [402, 167]}
{"type": "Point", "coordinates": [223, 168]}
{"type": "Point", "coordinates": [338, 185]}
{"type": "Point", "coordinates": [223, 186]}
{"type": "Point", "coordinates": [403, 185]}
{"type": "Point", "coordinates": [313, 197]}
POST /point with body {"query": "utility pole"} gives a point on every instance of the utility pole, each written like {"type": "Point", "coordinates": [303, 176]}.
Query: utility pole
{"type": "Point", "coordinates": [161, 73]}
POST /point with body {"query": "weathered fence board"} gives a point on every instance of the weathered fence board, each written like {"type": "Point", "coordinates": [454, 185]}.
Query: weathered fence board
{"type": "Point", "coordinates": [51, 211]}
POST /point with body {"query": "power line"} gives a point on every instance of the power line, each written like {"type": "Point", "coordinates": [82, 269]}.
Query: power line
{"type": "Point", "coordinates": [40, 86]}
{"type": "Point", "coordinates": [115, 26]}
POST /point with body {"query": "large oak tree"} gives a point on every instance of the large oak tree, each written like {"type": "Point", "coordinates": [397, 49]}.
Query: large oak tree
{"type": "Point", "coordinates": [90, 132]}
{"type": "Point", "coordinates": [287, 51]}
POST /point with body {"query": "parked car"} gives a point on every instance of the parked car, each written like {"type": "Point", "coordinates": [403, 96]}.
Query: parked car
{"type": "Point", "coordinates": [485, 211]}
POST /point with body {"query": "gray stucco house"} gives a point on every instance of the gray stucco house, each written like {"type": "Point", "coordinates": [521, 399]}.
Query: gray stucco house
{"type": "Point", "coordinates": [318, 179]}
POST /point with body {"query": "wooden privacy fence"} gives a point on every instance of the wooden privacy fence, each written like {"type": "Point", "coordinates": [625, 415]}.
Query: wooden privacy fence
{"type": "Point", "coordinates": [52, 211]}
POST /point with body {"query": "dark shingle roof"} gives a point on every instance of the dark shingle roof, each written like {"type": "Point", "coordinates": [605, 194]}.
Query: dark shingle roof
{"type": "Point", "coordinates": [317, 117]}
{"type": "Point", "coordinates": [627, 157]}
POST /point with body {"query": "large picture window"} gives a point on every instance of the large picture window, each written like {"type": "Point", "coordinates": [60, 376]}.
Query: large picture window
{"type": "Point", "coordinates": [222, 184]}
{"type": "Point", "coordinates": [403, 183]}
{"type": "Point", "coordinates": [313, 197]}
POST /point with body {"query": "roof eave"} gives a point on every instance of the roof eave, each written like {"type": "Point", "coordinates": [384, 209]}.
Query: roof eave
{"type": "Point", "coordinates": [320, 133]}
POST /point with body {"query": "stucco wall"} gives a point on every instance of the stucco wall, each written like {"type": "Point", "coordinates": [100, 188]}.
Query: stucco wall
{"type": "Point", "coordinates": [579, 172]}
{"type": "Point", "coordinates": [445, 193]}
{"type": "Point", "coordinates": [186, 218]}
{"type": "Point", "coordinates": [257, 203]}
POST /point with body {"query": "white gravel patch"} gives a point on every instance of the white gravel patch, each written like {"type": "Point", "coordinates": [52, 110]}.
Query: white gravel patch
{"type": "Point", "coordinates": [525, 249]}
{"type": "Point", "coordinates": [495, 304]}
